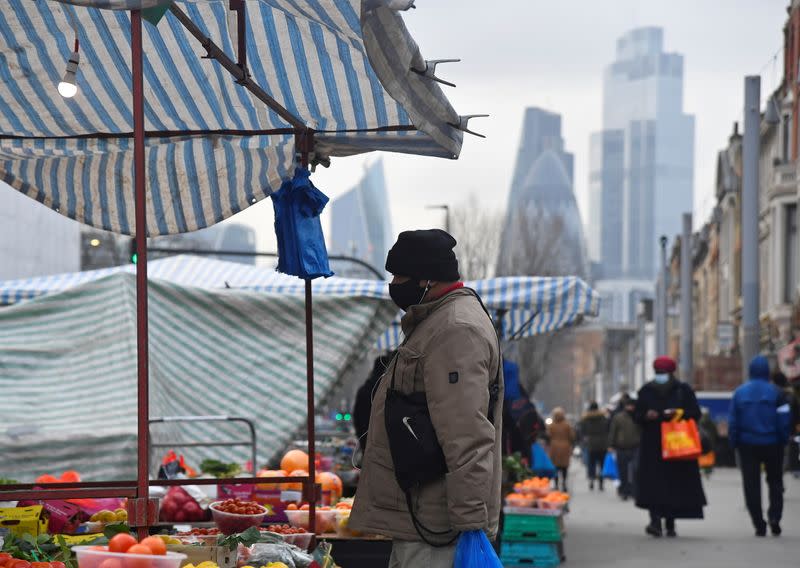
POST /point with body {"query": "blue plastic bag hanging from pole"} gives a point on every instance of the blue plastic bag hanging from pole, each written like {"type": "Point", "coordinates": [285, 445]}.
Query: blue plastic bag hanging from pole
{"type": "Point", "coordinates": [610, 470]}
{"type": "Point", "coordinates": [542, 464]}
{"type": "Point", "coordinates": [301, 244]}
{"type": "Point", "coordinates": [475, 551]}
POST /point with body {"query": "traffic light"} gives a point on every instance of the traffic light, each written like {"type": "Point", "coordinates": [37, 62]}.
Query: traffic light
{"type": "Point", "coordinates": [132, 252]}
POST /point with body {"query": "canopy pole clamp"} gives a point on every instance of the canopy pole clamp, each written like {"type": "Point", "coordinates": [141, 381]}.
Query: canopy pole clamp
{"type": "Point", "coordinates": [463, 123]}
{"type": "Point", "coordinates": [430, 70]}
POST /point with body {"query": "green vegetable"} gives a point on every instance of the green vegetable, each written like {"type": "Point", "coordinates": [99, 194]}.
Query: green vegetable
{"type": "Point", "coordinates": [220, 469]}
{"type": "Point", "coordinates": [6, 481]}
{"type": "Point", "coordinates": [246, 538]}
{"type": "Point", "coordinates": [515, 467]}
{"type": "Point", "coordinates": [42, 548]}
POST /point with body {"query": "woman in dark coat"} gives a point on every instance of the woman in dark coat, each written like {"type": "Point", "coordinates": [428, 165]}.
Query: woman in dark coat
{"type": "Point", "coordinates": [668, 489]}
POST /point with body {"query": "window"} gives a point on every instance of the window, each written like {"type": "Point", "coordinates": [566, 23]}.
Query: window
{"type": "Point", "coordinates": [787, 127]}
{"type": "Point", "coordinates": [792, 250]}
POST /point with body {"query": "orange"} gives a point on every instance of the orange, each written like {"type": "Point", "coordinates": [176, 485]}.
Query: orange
{"type": "Point", "coordinates": [156, 545]}
{"type": "Point", "coordinates": [139, 562]}
{"type": "Point", "coordinates": [70, 477]}
{"type": "Point", "coordinates": [296, 486]}
{"type": "Point", "coordinates": [291, 507]}
{"type": "Point", "coordinates": [331, 482]}
{"type": "Point", "coordinates": [121, 542]}
{"type": "Point", "coordinates": [295, 460]}
{"type": "Point", "coordinates": [271, 473]}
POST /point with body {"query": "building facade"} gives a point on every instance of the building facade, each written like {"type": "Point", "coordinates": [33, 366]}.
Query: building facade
{"type": "Point", "coordinates": [642, 163]}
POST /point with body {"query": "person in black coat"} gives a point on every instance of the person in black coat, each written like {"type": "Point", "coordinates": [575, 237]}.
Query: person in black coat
{"type": "Point", "coordinates": [670, 489]}
{"type": "Point", "coordinates": [363, 404]}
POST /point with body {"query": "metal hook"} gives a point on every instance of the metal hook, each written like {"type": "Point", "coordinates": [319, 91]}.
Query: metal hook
{"type": "Point", "coordinates": [463, 123]}
{"type": "Point", "coordinates": [430, 70]}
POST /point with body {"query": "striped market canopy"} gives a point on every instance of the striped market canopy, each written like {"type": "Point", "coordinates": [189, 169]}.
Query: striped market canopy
{"type": "Point", "coordinates": [344, 68]}
{"type": "Point", "coordinates": [68, 373]}
{"type": "Point", "coordinates": [527, 305]}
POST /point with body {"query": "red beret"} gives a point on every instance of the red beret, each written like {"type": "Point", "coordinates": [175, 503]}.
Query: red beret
{"type": "Point", "coordinates": [664, 364]}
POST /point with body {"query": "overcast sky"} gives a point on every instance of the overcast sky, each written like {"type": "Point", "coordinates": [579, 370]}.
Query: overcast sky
{"type": "Point", "coordinates": [519, 53]}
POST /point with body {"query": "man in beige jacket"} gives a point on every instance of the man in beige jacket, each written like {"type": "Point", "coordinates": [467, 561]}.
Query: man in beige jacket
{"type": "Point", "coordinates": [451, 353]}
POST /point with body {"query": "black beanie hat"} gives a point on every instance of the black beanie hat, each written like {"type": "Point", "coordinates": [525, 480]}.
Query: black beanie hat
{"type": "Point", "coordinates": [426, 255]}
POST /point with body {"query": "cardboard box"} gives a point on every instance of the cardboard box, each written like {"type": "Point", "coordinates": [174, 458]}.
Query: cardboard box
{"type": "Point", "coordinates": [196, 554]}
{"type": "Point", "coordinates": [23, 520]}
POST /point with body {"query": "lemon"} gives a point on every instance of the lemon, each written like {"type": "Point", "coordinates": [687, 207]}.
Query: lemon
{"type": "Point", "coordinates": [121, 515]}
{"type": "Point", "coordinates": [106, 517]}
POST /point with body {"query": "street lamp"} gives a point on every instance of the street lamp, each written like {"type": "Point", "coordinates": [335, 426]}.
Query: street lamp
{"type": "Point", "coordinates": [446, 209]}
{"type": "Point", "coordinates": [661, 331]}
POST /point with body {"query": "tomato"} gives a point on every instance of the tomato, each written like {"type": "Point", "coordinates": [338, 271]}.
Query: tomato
{"type": "Point", "coordinates": [156, 545]}
{"type": "Point", "coordinates": [5, 556]}
{"type": "Point", "coordinates": [58, 565]}
{"type": "Point", "coordinates": [111, 563]}
{"type": "Point", "coordinates": [139, 562]}
{"type": "Point", "coordinates": [121, 542]}
{"type": "Point", "coordinates": [40, 565]}
{"type": "Point", "coordinates": [16, 563]}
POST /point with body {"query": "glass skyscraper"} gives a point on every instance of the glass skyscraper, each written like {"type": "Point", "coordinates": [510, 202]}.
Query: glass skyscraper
{"type": "Point", "coordinates": [361, 225]}
{"type": "Point", "coordinates": [642, 163]}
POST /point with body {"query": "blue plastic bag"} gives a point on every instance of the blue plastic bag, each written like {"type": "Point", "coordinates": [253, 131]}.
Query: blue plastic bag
{"type": "Point", "coordinates": [542, 464]}
{"type": "Point", "coordinates": [610, 470]}
{"type": "Point", "coordinates": [475, 551]}
{"type": "Point", "coordinates": [301, 245]}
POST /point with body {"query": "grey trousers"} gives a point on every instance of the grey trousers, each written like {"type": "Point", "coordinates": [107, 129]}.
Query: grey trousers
{"type": "Point", "coordinates": [407, 554]}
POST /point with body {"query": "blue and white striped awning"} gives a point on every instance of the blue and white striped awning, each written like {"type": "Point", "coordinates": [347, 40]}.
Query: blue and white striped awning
{"type": "Point", "coordinates": [528, 305]}
{"type": "Point", "coordinates": [342, 67]}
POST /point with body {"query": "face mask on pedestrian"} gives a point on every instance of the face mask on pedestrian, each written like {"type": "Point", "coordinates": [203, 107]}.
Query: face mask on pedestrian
{"type": "Point", "coordinates": [408, 293]}
{"type": "Point", "coordinates": [662, 378]}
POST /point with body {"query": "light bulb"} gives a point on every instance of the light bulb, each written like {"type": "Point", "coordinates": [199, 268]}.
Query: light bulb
{"type": "Point", "coordinates": [67, 90]}
{"type": "Point", "coordinates": [68, 87]}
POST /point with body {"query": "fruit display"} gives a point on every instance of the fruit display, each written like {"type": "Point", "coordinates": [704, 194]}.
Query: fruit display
{"type": "Point", "coordinates": [520, 500]}
{"type": "Point", "coordinates": [554, 500]}
{"type": "Point", "coordinates": [178, 506]}
{"type": "Point", "coordinates": [124, 551]}
{"type": "Point", "coordinates": [107, 517]}
{"type": "Point", "coordinates": [200, 532]}
{"type": "Point", "coordinates": [270, 565]}
{"type": "Point", "coordinates": [206, 564]}
{"type": "Point", "coordinates": [536, 486]}
{"type": "Point", "coordinates": [235, 516]}
{"type": "Point", "coordinates": [271, 473]}
{"type": "Point", "coordinates": [325, 517]}
{"type": "Point", "coordinates": [285, 529]}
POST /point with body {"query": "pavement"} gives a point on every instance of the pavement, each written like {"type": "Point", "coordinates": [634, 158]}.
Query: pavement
{"type": "Point", "coordinates": [604, 531]}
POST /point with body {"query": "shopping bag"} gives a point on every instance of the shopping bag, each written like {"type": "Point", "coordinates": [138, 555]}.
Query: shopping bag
{"type": "Point", "coordinates": [475, 551]}
{"type": "Point", "coordinates": [610, 470]}
{"type": "Point", "coordinates": [542, 464]}
{"type": "Point", "coordinates": [707, 460]}
{"type": "Point", "coordinates": [680, 439]}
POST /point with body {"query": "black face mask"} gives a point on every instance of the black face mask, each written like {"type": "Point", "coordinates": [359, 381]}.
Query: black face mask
{"type": "Point", "coordinates": [407, 294]}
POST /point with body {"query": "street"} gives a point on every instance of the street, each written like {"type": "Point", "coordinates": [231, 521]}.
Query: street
{"type": "Point", "coordinates": [604, 531]}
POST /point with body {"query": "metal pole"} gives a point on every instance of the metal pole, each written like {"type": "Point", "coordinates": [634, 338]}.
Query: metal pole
{"type": "Point", "coordinates": [687, 343]}
{"type": "Point", "coordinates": [750, 213]}
{"type": "Point", "coordinates": [661, 315]}
{"type": "Point", "coordinates": [642, 347]}
{"type": "Point", "coordinates": [143, 465]}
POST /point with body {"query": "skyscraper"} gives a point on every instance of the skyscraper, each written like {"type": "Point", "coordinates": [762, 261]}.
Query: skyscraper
{"type": "Point", "coordinates": [361, 225]}
{"type": "Point", "coordinates": [642, 163]}
{"type": "Point", "coordinates": [543, 234]}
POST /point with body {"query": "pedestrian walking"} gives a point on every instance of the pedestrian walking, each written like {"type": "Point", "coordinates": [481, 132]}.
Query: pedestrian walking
{"type": "Point", "coordinates": [708, 429]}
{"type": "Point", "coordinates": [668, 489]}
{"type": "Point", "coordinates": [623, 437]}
{"type": "Point", "coordinates": [792, 457]}
{"type": "Point", "coordinates": [593, 430]}
{"type": "Point", "coordinates": [562, 442]}
{"type": "Point", "coordinates": [436, 421]}
{"type": "Point", "coordinates": [758, 427]}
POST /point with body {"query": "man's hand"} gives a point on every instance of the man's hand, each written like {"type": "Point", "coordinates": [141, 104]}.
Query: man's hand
{"type": "Point", "coordinates": [652, 415]}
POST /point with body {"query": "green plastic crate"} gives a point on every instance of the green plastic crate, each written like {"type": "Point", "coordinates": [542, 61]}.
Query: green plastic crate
{"type": "Point", "coordinates": [531, 554]}
{"type": "Point", "coordinates": [533, 528]}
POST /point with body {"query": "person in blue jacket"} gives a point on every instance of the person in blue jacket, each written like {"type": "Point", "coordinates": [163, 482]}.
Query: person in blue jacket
{"type": "Point", "coordinates": [758, 427]}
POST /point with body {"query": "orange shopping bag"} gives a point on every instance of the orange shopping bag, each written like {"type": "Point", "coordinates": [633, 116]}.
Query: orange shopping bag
{"type": "Point", "coordinates": [707, 460]}
{"type": "Point", "coordinates": [680, 439]}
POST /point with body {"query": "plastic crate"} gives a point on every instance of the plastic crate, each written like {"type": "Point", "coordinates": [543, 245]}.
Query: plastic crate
{"type": "Point", "coordinates": [531, 554]}
{"type": "Point", "coordinates": [533, 528]}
